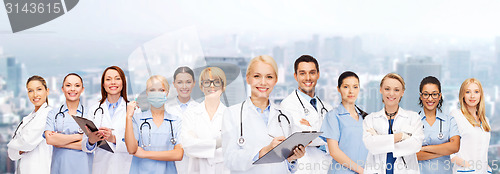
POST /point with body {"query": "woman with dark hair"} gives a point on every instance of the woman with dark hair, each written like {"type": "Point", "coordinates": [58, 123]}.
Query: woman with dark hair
{"type": "Point", "coordinates": [109, 115]}
{"type": "Point", "coordinates": [63, 132]}
{"type": "Point", "coordinates": [441, 131]}
{"type": "Point", "coordinates": [343, 128]}
{"type": "Point", "coordinates": [27, 147]}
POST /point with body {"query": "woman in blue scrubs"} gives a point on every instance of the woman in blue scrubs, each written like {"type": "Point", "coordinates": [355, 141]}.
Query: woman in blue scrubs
{"type": "Point", "coordinates": [153, 136]}
{"type": "Point", "coordinates": [442, 137]}
{"type": "Point", "coordinates": [343, 129]}
{"type": "Point", "coordinates": [64, 134]}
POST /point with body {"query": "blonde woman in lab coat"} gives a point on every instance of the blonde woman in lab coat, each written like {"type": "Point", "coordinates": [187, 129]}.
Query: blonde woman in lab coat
{"type": "Point", "coordinates": [109, 115]}
{"type": "Point", "coordinates": [392, 135]}
{"type": "Point", "coordinates": [474, 128]}
{"type": "Point", "coordinates": [201, 129]}
{"type": "Point", "coordinates": [254, 127]}
{"type": "Point", "coordinates": [27, 146]}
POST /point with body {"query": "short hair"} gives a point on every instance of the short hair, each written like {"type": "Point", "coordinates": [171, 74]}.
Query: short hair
{"type": "Point", "coordinates": [430, 80]}
{"type": "Point", "coordinates": [159, 78]}
{"type": "Point", "coordinates": [264, 59]}
{"type": "Point", "coordinates": [41, 80]}
{"type": "Point", "coordinates": [481, 111]}
{"type": "Point", "coordinates": [393, 76]}
{"type": "Point", "coordinates": [305, 58]}
{"type": "Point", "coordinates": [183, 69]}
{"type": "Point", "coordinates": [72, 74]}
{"type": "Point", "coordinates": [123, 93]}
{"type": "Point", "coordinates": [215, 72]}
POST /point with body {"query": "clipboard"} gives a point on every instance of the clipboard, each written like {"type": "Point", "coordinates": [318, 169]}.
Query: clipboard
{"type": "Point", "coordinates": [82, 122]}
{"type": "Point", "coordinates": [284, 149]}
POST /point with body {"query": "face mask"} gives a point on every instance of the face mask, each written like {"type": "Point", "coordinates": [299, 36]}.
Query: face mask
{"type": "Point", "coordinates": [157, 99]}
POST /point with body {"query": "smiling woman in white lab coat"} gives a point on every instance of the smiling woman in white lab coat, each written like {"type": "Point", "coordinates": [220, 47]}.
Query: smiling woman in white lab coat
{"type": "Point", "coordinates": [474, 128]}
{"type": "Point", "coordinates": [248, 127]}
{"type": "Point", "coordinates": [392, 136]}
{"type": "Point", "coordinates": [183, 83]}
{"type": "Point", "coordinates": [201, 126]}
{"type": "Point", "coordinates": [109, 116]}
{"type": "Point", "coordinates": [27, 146]}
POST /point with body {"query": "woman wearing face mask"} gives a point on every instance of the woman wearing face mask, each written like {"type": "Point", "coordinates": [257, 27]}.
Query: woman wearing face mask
{"type": "Point", "coordinates": [393, 135]}
{"type": "Point", "coordinates": [109, 115]}
{"type": "Point", "coordinates": [184, 83]}
{"type": "Point", "coordinates": [441, 132]}
{"type": "Point", "coordinates": [201, 129]}
{"type": "Point", "coordinates": [27, 147]}
{"type": "Point", "coordinates": [251, 129]}
{"type": "Point", "coordinates": [153, 136]}
{"type": "Point", "coordinates": [63, 132]}
{"type": "Point", "coordinates": [474, 129]}
{"type": "Point", "coordinates": [343, 128]}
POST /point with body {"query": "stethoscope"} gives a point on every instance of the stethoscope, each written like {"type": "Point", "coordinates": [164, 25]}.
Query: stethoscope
{"type": "Point", "coordinates": [440, 135]}
{"type": "Point", "coordinates": [15, 132]}
{"type": "Point", "coordinates": [306, 111]}
{"type": "Point", "coordinates": [172, 140]}
{"type": "Point", "coordinates": [241, 140]}
{"type": "Point", "coordinates": [102, 112]}
{"type": "Point", "coordinates": [61, 112]}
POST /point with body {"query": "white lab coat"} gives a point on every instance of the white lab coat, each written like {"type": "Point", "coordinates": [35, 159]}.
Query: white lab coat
{"type": "Point", "coordinates": [106, 162]}
{"type": "Point", "coordinates": [315, 160]}
{"type": "Point", "coordinates": [173, 107]}
{"type": "Point", "coordinates": [256, 133]}
{"type": "Point", "coordinates": [474, 145]}
{"type": "Point", "coordinates": [380, 144]}
{"type": "Point", "coordinates": [199, 135]}
{"type": "Point", "coordinates": [38, 153]}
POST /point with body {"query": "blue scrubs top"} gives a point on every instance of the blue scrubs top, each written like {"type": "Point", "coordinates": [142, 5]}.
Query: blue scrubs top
{"type": "Point", "coordinates": [449, 128]}
{"type": "Point", "coordinates": [67, 160]}
{"type": "Point", "coordinates": [339, 125]}
{"type": "Point", "coordinates": [160, 141]}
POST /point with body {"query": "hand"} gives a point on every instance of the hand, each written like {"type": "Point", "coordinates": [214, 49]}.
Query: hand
{"type": "Point", "coordinates": [94, 137]}
{"type": "Point", "coordinates": [276, 141]}
{"type": "Point", "coordinates": [298, 152]}
{"type": "Point", "coordinates": [108, 134]}
{"type": "Point", "coordinates": [51, 133]}
{"type": "Point", "coordinates": [305, 122]}
{"type": "Point", "coordinates": [131, 106]}
{"type": "Point", "coordinates": [140, 153]}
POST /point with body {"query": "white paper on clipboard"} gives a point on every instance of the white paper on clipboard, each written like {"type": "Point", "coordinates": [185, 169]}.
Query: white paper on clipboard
{"type": "Point", "coordinates": [284, 149]}
{"type": "Point", "coordinates": [82, 122]}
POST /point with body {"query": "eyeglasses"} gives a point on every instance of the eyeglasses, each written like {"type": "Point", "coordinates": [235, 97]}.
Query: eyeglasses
{"type": "Point", "coordinates": [207, 83]}
{"type": "Point", "coordinates": [434, 95]}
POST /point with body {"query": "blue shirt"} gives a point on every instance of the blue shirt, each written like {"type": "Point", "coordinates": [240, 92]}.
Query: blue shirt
{"type": "Point", "coordinates": [159, 138]}
{"type": "Point", "coordinates": [340, 126]}
{"type": "Point", "coordinates": [182, 105]}
{"type": "Point", "coordinates": [112, 107]}
{"type": "Point", "coordinates": [67, 160]}
{"type": "Point", "coordinates": [307, 97]}
{"type": "Point", "coordinates": [449, 129]}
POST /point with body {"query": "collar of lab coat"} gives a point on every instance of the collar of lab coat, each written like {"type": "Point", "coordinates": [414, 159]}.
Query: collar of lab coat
{"type": "Point", "coordinates": [166, 116]}
{"type": "Point", "coordinates": [305, 96]}
{"type": "Point", "coordinates": [44, 105]}
{"type": "Point", "coordinates": [401, 113]}
{"type": "Point", "coordinates": [201, 108]}
{"type": "Point", "coordinates": [439, 115]}
{"type": "Point", "coordinates": [249, 104]}
{"type": "Point", "coordinates": [342, 111]}
{"type": "Point", "coordinates": [118, 103]}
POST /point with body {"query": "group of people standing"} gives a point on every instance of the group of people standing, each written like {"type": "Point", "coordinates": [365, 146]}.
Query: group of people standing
{"type": "Point", "coordinates": [183, 136]}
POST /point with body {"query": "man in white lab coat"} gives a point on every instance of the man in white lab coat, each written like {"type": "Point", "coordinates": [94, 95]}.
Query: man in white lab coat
{"type": "Point", "coordinates": [308, 111]}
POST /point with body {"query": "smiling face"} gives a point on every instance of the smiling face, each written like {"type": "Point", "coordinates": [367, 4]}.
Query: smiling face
{"type": "Point", "coordinates": [472, 95]}
{"type": "Point", "coordinates": [307, 76]}
{"type": "Point", "coordinates": [392, 91]}
{"type": "Point", "coordinates": [431, 91]}
{"type": "Point", "coordinates": [261, 80]}
{"type": "Point", "coordinates": [113, 83]}
{"type": "Point", "coordinates": [214, 89]}
{"type": "Point", "coordinates": [184, 84]}
{"type": "Point", "coordinates": [72, 88]}
{"type": "Point", "coordinates": [349, 90]}
{"type": "Point", "coordinates": [37, 93]}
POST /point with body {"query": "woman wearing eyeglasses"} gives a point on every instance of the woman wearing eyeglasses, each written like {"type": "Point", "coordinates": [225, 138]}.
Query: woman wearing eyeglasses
{"type": "Point", "coordinates": [441, 131]}
{"type": "Point", "coordinates": [474, 130]}
{"type": "Point", "coordinates": [153, 136]}
{"type": "Point", "coordinates": [201, 129]}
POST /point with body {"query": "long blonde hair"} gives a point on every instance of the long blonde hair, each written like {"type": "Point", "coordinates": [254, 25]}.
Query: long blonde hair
{"type": "Point", "coordinates": [481, 113]}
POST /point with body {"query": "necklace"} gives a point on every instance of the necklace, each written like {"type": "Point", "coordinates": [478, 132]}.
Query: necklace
{"type": "Point", "coordinates": [391, 114]}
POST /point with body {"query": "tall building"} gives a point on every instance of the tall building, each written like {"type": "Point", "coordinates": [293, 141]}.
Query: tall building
{"type": "Point", "coordinates": [14, 75]}
{"type": "Point", "coordinates": [370, 98]}
{"type": "Point", "coordinates": [413, 71]}
{"type": "Point", "coordinates": [332, 49]}
{"type": "Point", "coordinates": [459, 65]}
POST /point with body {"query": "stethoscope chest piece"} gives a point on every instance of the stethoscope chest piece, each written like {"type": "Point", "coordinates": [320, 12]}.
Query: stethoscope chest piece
{"type": "Point", "coordinates": [306, 111]}
{"type": "Point", "coordinates": [173, 141]}
{"type": "Point", "coordinates": [440, 135]}
{"type": "Point", "coordinates": [241, 141]}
